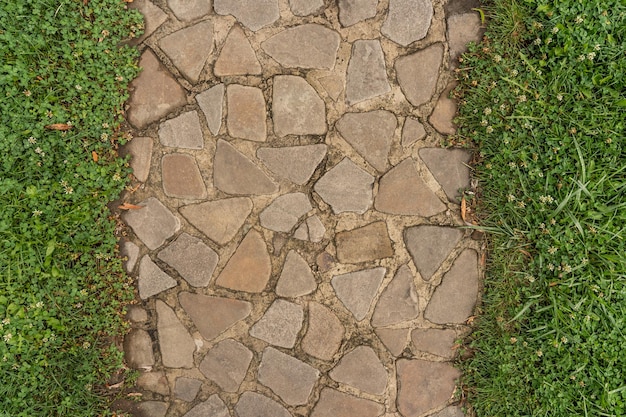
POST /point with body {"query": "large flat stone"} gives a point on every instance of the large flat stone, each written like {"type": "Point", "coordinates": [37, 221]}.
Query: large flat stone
{"type": "Point", "coordinates": [291, 379]}
{"type": "Point", "coordinates": [362, 370]}
{"type": "Point", "coordinates": [412, 131]}
{"type": "Point", "coordinates": [442, 117]}
{"type": "Point", "coordinates": [234, 173]}
{"type": "Point", "coordinates": [395, 340]}
{"type": "Point", "coordinates": [435, 341]}
{"type": "Point", "coordinates": [140, 150]}
{"type": "Point", "coordinates": [333, 403]}
{"type": "Point", "coordinates": [312, 229]}
{"type": "Point", "coordinates": [418, 73]}
{"type": "Point", "coordinates": [295, 163]}
{"type": "Point", "coordinates": [213, 315]}
{"type": "Point", "coordinates": [253, 14]}
{"type": "Point", "coordinates": [189, 48]}
{"type": "Point", "coordinates": [153, 17]}
{"type": "Point", "coordinates": [399, 301]}
{"type": "Point", "coordinates": [367, 74]}
{"type": "Point", "coordinates": [182, 131]}
{"type": "Point", "coordinates": [152, 280]}
{"type": "Point", "coordinates": [284, 212]}
{"type": "Point", "coordinates": [305, 7]}
{"type": "Point", "coordinates": [191, 258]}
{"type": "Point", "coordinates": [429, 246]}
{"type": "Point", "coordinates": [220, 220]}
{"type": "Point", "coordinates": [450, 412]}
{"type": "Point", "coordinates": [346, 187]}
{"type": "Point", "coordinates": [176, 345]}
{"type": "Point", "coordinates": [237, 56]}
{"type": "Point", "coordinates": [297, 109]}
{"type": "Point", "coordinates": [153, 382]}
{"type": "Point", "coordinates": [187, 389]}
{"type": "Point", "coordinates": [246, 113]}
{"type": "Point", "coordinates": [153, 224]}
{"type": "Point", "coordinates": [280, 324]}
{"type": "Point", "coordinates": [226, 364]}
{"type": "Point", "coordinates": [462, 29]}
{"type": "Point", "coordinates": [211, 103]}
{"type": "Point", "coordinates": [138, 349]}
{"type": "Point", "coordinates": [152, 409]}
{"type": "Point", "coordinates": [305, 46]}
{"type": "Point", "coordinates": [356, 290]}
{"type": "Point", "coordinates": [296, 278]}
{"type": "Point", "coordinates": [324, 333]}
{"type": "Point", "coordinates": [352, 12]}
{"type": "Point", "coordinates": [407, 20]}
{"type": "Point", "coordinates": [130, 254]}
{"type": "Point", "coordinates": [364, 244]}
{"type": "Point", "coordinates": [188, 10]}
{"type": "Point", "coordinates": [450, 167]}
{"type": "Point", "coordinates": [213, 407]}
{"type": "Point", "coordinates": [181, 176]}
{"type": "Point", "coordinates": [252, 404]}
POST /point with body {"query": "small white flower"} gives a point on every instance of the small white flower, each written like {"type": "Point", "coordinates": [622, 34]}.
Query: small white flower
{"type": "Point", "coordinates": [591, 56]}
{"type": "Point", "coordinates": [6, 321]}
{"type": "Point", "coordinates": [78, 87]}
{"type": "Point", "coordinates": [522, 98]}
{"type": "Point", "coordinates": [579, 19]}
{"type": "Point", "coordinates": [487, 110]}
{"type": "Point", "coordinates": [511, 198]}
{"type": "Point", "coordinates": [537, 41]}
{"type": "Point", "coordinates": [37, 213]}
{"type": "Point", "coordinates": [489, 129]}
{"type": "Point", "coordinates": [497, 58]}
{"type": "Point", "coordinates": [104, 136]}
{"type": "Point", "coordinates": [548, 41]}
{"type": "Point", "coordinates": [484, 122]}
{"type": "Point", "coordinates": [559, 97]}
{"type": "Point", "coordinates": [32, 140]}
{"type": "Point", "coordinates": [7, 337]}
{"type": "Point", "coordinates": [555, 29]}
{"type": "Point", "coordinates": [514, 73]}
{"type": "Point", "coordinates": [552, 250]}
{"type": "Point", "coordinates": [581, 57]}
{"type": "Point", "coordinates": [596, 47]}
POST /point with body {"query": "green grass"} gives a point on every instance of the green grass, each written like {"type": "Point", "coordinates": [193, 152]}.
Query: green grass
{"type": "Point", "coordinates": [543, 99]}
{"type": "Point", "coordinates": [62, 288]}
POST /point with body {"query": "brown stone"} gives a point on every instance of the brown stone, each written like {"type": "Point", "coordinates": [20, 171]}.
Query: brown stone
{"type": "Point", "coordinates": [187, 389]}
{"type": "Point", "coordinates": [395, 340]}
{"type": "Point", "coordinates": [211, 102]}
{"type": "Point", "coordinates": [352, 12]}
{"type": "Point", "coordinates": [153, 223]}
{"type": "Point", "coordinates": [364, 244]}
{"type": "Point", "coordinates": [361, 369]}
{"type": "Point", "coordinates": [435, 341]}
{"type": "Point", "coordinates": [280, 324]}
{"type": "Point", "coordinates": [449, 167]}
{"type": "Point", "coordinates": [220, 220]}
{"type": "Point", "coordinates": [324, 334]}
{"type": "Point", "coordinates": [234, 173]}
{"type": "Point", "coordinates": [295, 163]}
{"type": "Point", "coordinates": [450, 412]}
{"type": "Point", "coordinates": [181, 176]}
{"type": "Point", "coordinates": [305, 7]}
{"type": "Point", "coordinates": [297, 109]}
{"type": "Point", "coordinates": [226, 364]}
{"type": "Point", "coordinates": [333, 403]}
{"type": "Point", "coordinates": [152, 280]}
{"type": "Point", "coordinates": [312, 230]}
{"type": "Point", "coordinates": [296, 278]}
{"type": "Point", "coordinates": [418, 73]}
{"type": "Point", "coordinates": [246, 113]}
{"type": "Point", "coordinates": [398, 302]}
{"type": "Point", "coordinates": [237, 56]}
{"type": "Point", "coordinates": [367, 74]}
{"type": "Point", "coordinates": [412, 131]}
{"type": "Point", "coordinates": [356, 290]}
{"type": "Point", "coordinates": [284, 212]}
{"type": "Point", "coordinates": [407, 20]}
{"type": "Point", "coordinates": [254, 14]}
{"type": "Point", "coordinates": [252, 404]}
{"type": "Point", "coordinates": [153, 17]}
{"type": "Point", "coordinates": [213, 315]}
{"type": "Point", "coordinates": [188, 10]}
{"type": "Point", "coordinates": [140, 150]}
{"type": "Point", "coordinates": [429, 246]}
{"type": "Point", "coordinates": [333, 84]}
{"type": "Point", "coordinates": [129, 253]}
{"type": "Point", "coordinates": [291, 379]}
{"type": "Point", "coordinates": [154, 382]}
{"type": "Point", "coordinates": [304, 46]}
{"type": "Point", "coordinates": [462, 29]}
{"type": "Point", "coordinates": [191, 258]}
{"type": "Point", "coordinates": [138, 349]}
{"type": "Point", "coordinates": [176, 345]}
{"type": "Point", "coordinates": [182, 131]}
{"type": "Point", "coordinates": [189, 48]}
{"type": "Point", "coordinates": [346, 187]}
{"type": "Point", "coordinates": [213, 407]}
{"type": "Point", "coordinates": [442, 117]}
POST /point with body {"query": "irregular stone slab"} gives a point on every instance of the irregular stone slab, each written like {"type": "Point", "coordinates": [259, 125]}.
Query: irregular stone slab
{"type": "Point", "coordinates": [138, 349]}
{"type": "Point", "coordinates": [296, 279]}
{"type": "Point", "coordinates": [424, 385]}
{"type": "Point", "coordinates": [153, 17]}
{"type": "Point", "coordinates": [152, 280]}
{"type": "Point", "coordinates": [297, 109]}
{"type": "Point", "coordinates": [364, 244]}
{"type": "Point", "coordinates": [333, 84]}
{"type": "Point", "coordinates": [191, 258]}
{"type": "Point", "coordinates": [234, 173]}
{"type": "Point", "coordinates": [140, 150]}
{"type": "Point", "coordinates": [249, 268]}
{"type": "Point", "coordinates": [246, 113]}
{"type": "Point", "coordinates": [367, 74]}
{"type": "Point", "coordinates": [407, 20]}
{"type": "Point", "coordinates": [429, 246]}
{"type": "Point", "coordinates": [346, 187]}
{"type": "Point", "coordinates": [324, 333]}
{"type": "Point", "coordinates": [412, 131]}
{"type": "Point", "coordinates": [333, 403]}
{"type": "Point", "coordinates": [418, 73]}
{"type": "Point", "coordinates": [395, 340]}
{"type": "Point", "coordinates": [153, 224]}
{"type": "Point", "coordinates": [183, 131]}
{"type": "Point", "coordinates": [361, 369]}
{"type": "Point", "coordinates": [153, 382]}
{"type": "Point", "coordinates": [436, 341]}
{"type": "Point", "coordinates": [154, 93]}
{"type": "Point", "coordinates": [305, 7]}
{"type": "Point", "coordinates": [454, 299]}
{"type": "Point", "coordinates": [187, 389]}
{"type": "Point", "coordinates": [181, 176]}
{"type": "Point", "coordinates": [176, 345]}
{"type": "Point", "coordinates": [213, 315]}
{"type": "Point", "coordinates": [220, 220]}
{"type": "Point", "coordinates": [237, 56]}
{"type": "Point", "coordinates": [312, 230]}
{"type": "Point", "coordinates": [442, 117]}
{"type": "Point", "coordinates": [254, 14]}
{"type": "Point", "coordinates": [213, 407]}
{"type": "Point", "coordinates": [450, 412]}
{"type": "Point", "coordinates": [130, 252]}
{"type": "Point", "coordinates": [402, 191]}
{"type": "Point", "coordinates": [291, 379]}
{"type": "Point", "coordinates": [399, 301]}
{"type": "Point", "coordinates": [188, 10]}
{"type": "Point", "coordinates": [152, 408]}
{"type": "Point", "coordinates": [370, 133]}
{"type": "Point", "coordinates": [295, 163]}
{"type": "Point", "coordinates": [189, 48]}
{"type": "Point", "coordinates": [305, 46]}
{"type": "Point", "coordinates": [356, 290]}
{"type": "Point", "coordinates": [211, 102]}
{"type": "Point", "coordinates": [226, 364]}
{"type": "Point", "coordinates": [462, 29]}
{"type": "Point", "coordinates": [352, 12]}
{"type": "Point", "coordinates": [252, 404]}
{"type": "Point", "coordinates": [284, 212]}
{"type": "Point", "coordinates": [136, 315]}
{"type": "Point", "coordinates": [280, 324]}
{"type": "Point", "coordinates": [450, 167]}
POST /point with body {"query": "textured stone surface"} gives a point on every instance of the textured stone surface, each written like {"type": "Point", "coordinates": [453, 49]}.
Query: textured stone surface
{"type": "Point", "coordinates": [140, 150]}
{"type": "Point", "coordinates": [297, 109]}
{"type": "Point", "coordinates": [305, 46]}
{"type": "Point", "coordinates": [211, 103]}
{"type": "Point", "coordinates": [176, 344]}
{"type": "Point", "coordinates": [187, 10]}
{"type": "Point", "coordinates": [226, 364]}
{"type": "Point", "coordinates": [333, 403]}
{"type": "Point", "coordinates": [252, 404]}
{"type": "Point", "coordinates": [152, 409]}
{"type": "Point", "coordinates": [213, 315]}
{"type": "Point", "coordinates": [284, 212]}
{"type": "Point", "coordinates": [138, 349]}
{"type": "Point", "coordinates": [153, 17]}
{"type": "Point", "coordinates": [352, 12]}
{"type": "Point", "coordinates": [296, 278]}
{"type": "Point", "coordinates": [189, 48]}
{"type": "Point", "coordinates": [181, 176]}
{"type": "Point", "coordinates": [324, 333]}
{"type": "Point", "coordinates": [398, 302]}
{"type": "Point", "coordinates": [364, 244]}
{"type": "Point", "coordinates": [371, 134]}
{"type": "Point", "coordinates": [333, 84]}
{"type": "Point", "coordinates": [361, 369]}
{"type": "Point", "coordinates": [136, 315]}
{"type": "Point", "coordinates": [193, 260]}
{"type": "Point", "coordinates": [213, 407]}
{"type": "Point", "coordinates": [280, 324]}
{"type": "Point", "coordinates": [237, 56]}
{"type": "Point", "coordinates": [450, 167]}
{"type": "Point", "coordinates": [395, 340]}
{"type": "Point", "coordinates": [154, 382]}
{"type": "Point", "coordinates": [153, 224]}
{"type": "Point", "coordinates": [295, 163]}
{"type": "Point", "coordinates": [462, 29]}
{"type": "Point", "coordinates": [418, 73]}
{"type": "Point", "coordinates": [249, 268]}
{"type": "Point", "coordinates": [346, 187]}
{"type": "Point", "coordinates": [291, 379]}
{"type": "Point", "coordinates": [312, 230]}
{"type": "Point", "coordinates": [367, 74]}
{"type": "Point", "coordinates": [246, 113]}
{"type": "Point", "coordinates": [356, 290]}
{"type": "Point", "coordinates": [429, 246]}
{"type": "Point", "coordinates": [183, 131]}
{"type": "Point", "coordinates": [436, 341]}
{"type": "Point", "coordinates": [234, 173]}
{"type": "Point", "coordinates": [130, 252]}
{"type": "Point", "coordinates": [187, 388]}
{"type": "Point", "coordinates": [253, 14]}
{"type": "Point", "coordinates": [407, 20]}
{"type": "Point", "coordinates": [152, 280]}
{"type": "Point", "coordinates": [220, 220]}
{"type": "Point", "coordinates": [450, 412]}
{"type": "Point", "coordinates": [305, 7]}
{"type": "Point", "coordinates": [443, 114]}
{"type": "Point", "coordinates": [412, 131]}
{"type": "Point", "coordinates": [454, 299]}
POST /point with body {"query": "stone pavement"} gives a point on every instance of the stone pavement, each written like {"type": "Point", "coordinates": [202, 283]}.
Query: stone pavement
{"type": "Point", "coordinates": [298, 250]}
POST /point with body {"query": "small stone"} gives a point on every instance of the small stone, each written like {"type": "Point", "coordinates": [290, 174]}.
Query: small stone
{"type": "Point", "coordinates": [226, 364]}
{"type": "Point", "coordinates": [304, 46]}
{"type": "Point", "coordinates": [356, 290]}
{"type": "Point", "coordinates": [435, 341]}
{"type": "Point", "coordinates": [187, 389]}
{"type": "Point", "coordinates": [152, 280]}
{"type": "Point", "coordinates": [189, 48]}
{"type": "Point", "coordinates": [305, 7]}
{"type": "Point", "coordinates": [450, 412]}
{"type": "Point", "coordinates": [367, 74]}
{"type": "Point", "coordinates": [361, 369]}
{"type": "Point", "coordinates": [177, 346]}
{"type": "Point", "coordinates": [280, 324]}
{"type": "Point", "coordinates": [234, 173]}
{"type": "Point", "coordinates": [153, 381]}
{"type": "Point", "coordinates": [407, 21]}
{"type": "Point", "coordinates": [333, 403]}
{"type": "Point", "coordinates": [138, 349]}
{"type": "Point", "coordinates": [398, 302]}
{"type": "Point", "coordinates": [152, 409]}
{"type": "Point", "coordinates": [352, 12]}
{"type": "Point", "coordinates": [136, 315]}
{"type": "Point", "coordinates": [325, 261]}
{"type": "Point", "coordinates": [291, 379]}
{"type": "Point", "coordinates": [395, 340]}
{"type": "Point", "coordinates": [183, 131]}
{"type": "Point", "coordinates": [364, 244]}
{"type": "Point", "coordinates": [454, 299]}
{"type": "Point", "coordinates": [418, 73]}
{"type": "Point", "coordinates": [181, 176]}
{"type": "Point", "coordinates": [450, 167]}
{"type": "Point", "coordinates": [296, 279]}
{"type": "Point", "coordinates": [295, 163]}
{"type": "Point", "coordinates": [324, 333]}
{"type": "Point", "coordinates": [153, 224]}
{"type": "Point", "coordinates": [213, 315]}
{"type": "Point", "coordinates": [442, 117]}
{"type": "Point", "coordinates": [284, 212]}
{"type": "Point", "coordinates": [188, 10]}
{"type": "Point", "coordinates": [211, 102]}
{"type": "Point", "coordinates": [412, 131]}
{"type": "Point", "coordinates": [213, 407]}
{"type": "Point", "coordinates": [249, 268]}
{"type": "Point", "coordinates": [193, 260]}
{"type": "Point", "coordinates": [237, 56]}
{"type": "Point", "coordinates": [462, 29]}
{"type": "Point", "coordinates": [140, 150]}
{"type": "Point", "coordinates": [297, 109]}
{"type": "Point", "coordinates": [333, 84]}
{"type": "Point", "coordinates": [252, 404]}
{"type": "Point", "coordinates": [246, 113]}
{"type": "Point", "coordinates": [130, 251]}
{"type": "Point", "coordinates": [429, 246]}
{"type": "Point", "coordinates": [346, 187]}
{"type": "Point", "coordinates": [220, 220]}
{"type": "Point", "coordinates": [253, 14]}
{"type": "Point", "coordinates": [153, 17]}
{"type": "Point", "coordinates": [312, 230]}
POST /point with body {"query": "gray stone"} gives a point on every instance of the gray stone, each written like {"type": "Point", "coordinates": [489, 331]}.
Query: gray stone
{"type": "Point", "coordinates": [407, 20]}
{"type": "Point", "coordinates": [333, 403]}
{"type": "Point", "coordinates": [356, 290]}
{"type": "Point", "coordinates": [305, 46]}
{"type": "Point", "coordinates": [280, 324]}
{"type": "Point", "coordinates": [418, 73]}
{"type": "Point", "coordinates": [352, 12]}
{"type": "Point", "coordinates": [153, 17]}
{"type": "Point", "coordinates": [234, 173]}
{"type": "Point", "coordinates": [291, 379]}
{"type": "Point", "coordinates": [305, 7]}
{"type": "Point", "coordinates": [183, 131]}
{"type": "Point", "coordinates": [364, 244]}
{"type": "Point", "coordinates": [395, 340]}
{"type": "Point", "coordinates": [193, 260]}
{"type": "Point", "coordinates": [213, 407]}
{"type": "Point", "coordinates": [462, 29]}
{"type": "Point", "coordinates": [213, 315]}
{"type": "Point", "coordinates": [297, 109]}
{"type": "Point", "coordinates": [153, 382]}
{"type": "Point", "coordinates": [211, 103]}
{"type": "Point", "coordinates": [187, 389]}
{"type": "Point", "coordinates": [189, 48]}
{"type": "Point", "coordinates": [361, 369]}
{"type": "Point", "coordinates": [130, 252]}
{"type": "Point", "coordinates": [226, 364]}
{"type": "Point", "coordinates": [220, 220]}
{"type": "Point", "coordinates": [435, 341]}
{"type": "Point", "coordinates": [442, 117]}
{"type": "Point", "coordinates": [284, 212]}
{"type": "Point", "coordinates": [246, 113]}
{"type": "Point", "coordinates": [324, 333]}
{"type": "Point", "coordinates": [138, 349]}
{"type": "Point", "coordinates": [252, 404]}
{"type": "Point", "coordinates": [154, 93]}
{"type": "Point", "coordinates": [188, 10]}
{"type": "Point", "coordinates": [177, 346]}
{"type": "Point", "coordinates": [152, 409]}
{"type": "Point", "coordinates": [237, 56]}
{"type": "Point", "coordinates": [371, 134]}
{"type": "Point", "coordinates": [140, 150]}
{"type": "Point", "coordinates": [253, 14]}
{"type": "Point", "coordinates": [398, 302]}
{"type": "Point", "coordinates": [136, 315]}
{"type": "Point", "coordinates": [296, 279]}
{"type": "Point", "coordinates": [295, 163]}
{"type": "Point", "coordinates": [412, 131]}
{"type": "Point", "coordinates": [333, 84]}
{"type": "Point", "coordinates": [450, 412]}
{"type": "Point", "coordinates": [312, 229]}
{"type": "Point", "coordinates": [153, 224]}
{"type": "Point", "coordinates": [454, 299]}
{"type": "Point", "coordinates": [450, 167]}
{"type": "Point", "coordinates": [367, 74]}
{"type": "Point", "coordinates": [152, 280]}
{"type": "Point", "coordinates": [429, 246]}
{"type": "Point", "coordinates": [181, 176]}
{"type": "Point", "coordinates": [346, 187]}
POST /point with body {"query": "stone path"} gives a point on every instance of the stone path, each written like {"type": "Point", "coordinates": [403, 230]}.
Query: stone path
{"type": "Point", "coordinates": [298, 250]}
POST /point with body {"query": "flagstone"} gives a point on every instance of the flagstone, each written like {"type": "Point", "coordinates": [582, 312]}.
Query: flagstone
{"type": "Point", "coordinates": [213, 315]}
{"type": "Point", "coordinates": [234, 173]}
{"type": "Point", "coordinates": [352, 12]}
{"type": "Point", "coordinates": [213, 407]}
{"type": "Point", "coordinates": [187, 389]}
{"type": "Point", "coordinates": [304, 46]}
{"type": "Point", "coordinates": [138, 349]}
{"type": "Point", "coordinates": [152, 280]}
{"type": "Point", "coordinates": [181, 177]}
{"type": "Point", "coordinates": [296, 278]}
{"type": "Point", "coordinates": [130, 252]}
{"type": "Point", "coordinates": [462, 29]}
{"type": "Point", "coordinates": [140, 150]}
{"type": "Point", "coordinates": [280, 324]}
{"type": "Point", "coordinates": [136, 315]}
{"type": "Point", "coordinates": [253, 14]}
{"type": "Point", "coordinates": [153, 223]}
{"type": "Point", "coordinates": [305, 7]}
{"type": "Point", "coordinates": [189, 48]}
{"type": "Point", "coordinates": [333, 403]}
{"type": "Point", "coordinates": [412, 131]}
{"type": "Point", "coordinates": [289, 378]}
{"type": "Point", "coordinates": [333, 84]}
{"type": "Point", "coordinates": [346, 187]}
{"type": "Point", "coordinates": [407, 20]}
{"type": "Point", "coordinates": [176, 345]}
{"type": "Point", "coordinates": [450, 167]}
{"type": "Point", "coordinates": [295, 163]}
{"type": "Point", "coordinates": [312, 229]}
{"type": "Point", "coordinates": [367, 74]}
{"type": "Point", "coordinates": [284, 212]}
{"type": "Point", "coordinates": [226, 364]}
{"type": "Point", "coordinates": [153, 17]}
{"type": "Point", "coordinates": [429, 246]}
{"type": "Point", "coordinates": [435, 341]}
{"type": "Point", "coordinates": [252, 404]}
{"type": "Point", "coordinates": [152, 408]}
{"type": "Point", "coordinates": [188, 10]}
{"type": "Point", "coordinates": [182, 131]}
{"type": "Point", "coordinates": [237, 56]}
{"type": "Point", "coordinates": [418, 73]}
{"type": "Point", "coordinates": [361, 369]}
{"type": "Point", "coordinates": [364, 244]}
{"type": "Point", "coordinates": [442, 117]}
{"type": "Point", "coordinates": [246, 113]}
{"type": "Point", "coordinates": [211, 103]}
{"type": "Point", "coordinates": [154, 382]}
{"type": "Point", "coordinates": [324, 332]}
{"type": "Point", "coordinates": [219, 220]}
{"type": "Point", "coordinates": [356, 290]}
{"type": "Point", "coordinates": [297, 109]}
{"type": "Point", "coordinates": [451, 411]}
{"type": "Point", "coordinates": [395, 340]}
{"type": "Point", "coordinates": [398, 302]}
